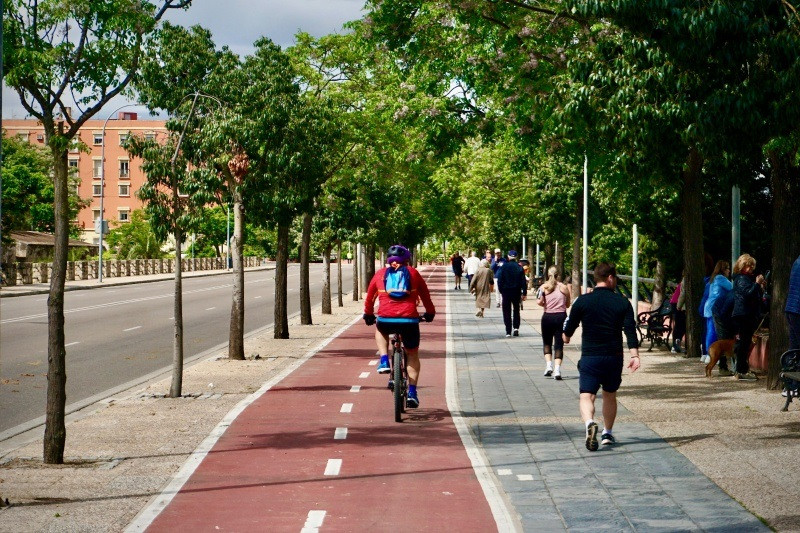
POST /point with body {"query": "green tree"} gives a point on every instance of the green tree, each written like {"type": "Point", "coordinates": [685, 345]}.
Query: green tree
{"type": "Point", "coordinates": [136, 239]}
{"type": "Point", "coordinates": [46, 66]}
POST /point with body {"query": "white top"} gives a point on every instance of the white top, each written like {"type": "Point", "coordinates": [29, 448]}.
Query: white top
{"type": "Point", "coordinates": [472, 264]}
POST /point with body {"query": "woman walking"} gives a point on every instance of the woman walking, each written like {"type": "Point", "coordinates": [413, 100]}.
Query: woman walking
{"type": "Point", "coordinates": [555, 299]}
{"type": "Point", "coordinates": [747, 292]}
{"type": "Point", "coordinates": [718, 287]}
{"type": "Point", "coordinates": [481, 286]}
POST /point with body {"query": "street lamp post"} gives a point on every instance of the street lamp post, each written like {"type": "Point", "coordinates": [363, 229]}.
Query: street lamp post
{"type": "Point", "coordinates": [101, 225]}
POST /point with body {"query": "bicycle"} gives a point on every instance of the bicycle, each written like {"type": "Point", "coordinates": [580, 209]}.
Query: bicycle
{"type": "Point", "coordinates": [399, 375]}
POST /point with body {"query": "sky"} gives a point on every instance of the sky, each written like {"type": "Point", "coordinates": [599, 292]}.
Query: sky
{"type": "Point", "coordinates": [238, 24]}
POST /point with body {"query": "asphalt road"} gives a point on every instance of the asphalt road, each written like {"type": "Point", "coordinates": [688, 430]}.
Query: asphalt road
{"type": "Point", "coordinates": [117, 335]}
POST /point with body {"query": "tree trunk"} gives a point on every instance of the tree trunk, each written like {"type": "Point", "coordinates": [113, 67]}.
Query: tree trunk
{"type": "Point", "coordinates": [559, 260]}
{"type": "Point", "coordinates": [355, 274]}
{"type": "Point", "coordinates": [785, 181]}
{"type": "Point", "coordinates": [659, 286]}
{"type": "Point", "coordinates": [305, 259]}
{"type": "Point", "coordinates": [577, 238]}
{"type": "Point", "coordinates": [281, 326]}
{"type": "Point", "coordinates": [692, 231]}
{"type": "Point", "coordinates": [236, 334]}
{"type": "Point", "coordinates": [55, 431]}
{"type": "Point", "coordinates": [326, 284]}
{"type": "Point", "coordinates": [176, 387]}
{"type": "Point", "coordinates": [339, 272]}
{"type": "Point", "coordinates": [548, 259]}
{"type": "Point", "coordinates": [369, 269]}
{"type": "Point", "coordinates": [529, 252]}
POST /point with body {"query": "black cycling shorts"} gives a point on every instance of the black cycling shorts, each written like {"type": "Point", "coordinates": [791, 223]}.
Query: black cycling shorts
{"type": "Point", "coordinates": [600, 370]}
{"type": "Point", "coordinates": [408, 330]}
{"type": "Point", "coordinates": [552, 324]}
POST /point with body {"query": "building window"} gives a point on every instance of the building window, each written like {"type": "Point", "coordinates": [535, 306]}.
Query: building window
{"type": "Point", "coordinates": [96, 189]}
{"type": "Point", "coordinates": [73, 165]}
{"type": "Point", "coordinates": [150, 136]}
{"type": "Point", "coordinates": [124, 168]}
{"type": "Point", "coordinates": [74, 145]}
{"type": "Point", "coordinates": [95, 215]}
{"type": "Point", "coordinates": [124, 189]}
{"type": "Point", "coordinates": [97, 168]}
{"type": "Point", "coordinates": [123, 137]}
{"type": "Point", "coordinates": [22, 136]}
{"type": "Point", "coordinates": [124, 215]}
{"type": "Point", "coordinates": [98, 139]}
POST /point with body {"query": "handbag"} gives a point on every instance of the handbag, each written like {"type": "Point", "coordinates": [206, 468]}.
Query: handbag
{"type": "Point", "coordinates": [760, 333]}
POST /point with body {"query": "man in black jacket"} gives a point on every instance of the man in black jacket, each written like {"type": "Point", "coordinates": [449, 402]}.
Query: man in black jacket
{"type": "Point", "coordinates": [512, 286]}
{"type": "Point", "coordinates": [604, 315]}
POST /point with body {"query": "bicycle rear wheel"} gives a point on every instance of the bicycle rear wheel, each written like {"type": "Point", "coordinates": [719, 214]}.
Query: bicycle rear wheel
{"type": "Point", "coordinates": [397, 376]}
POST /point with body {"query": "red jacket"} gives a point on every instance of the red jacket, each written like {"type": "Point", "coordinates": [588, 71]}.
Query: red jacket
{"type": "Point", "coordinates": [389, 307]}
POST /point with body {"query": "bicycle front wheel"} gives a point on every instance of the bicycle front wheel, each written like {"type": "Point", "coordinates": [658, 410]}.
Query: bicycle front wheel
{"type": "Point", "coordinates": [397, 375]}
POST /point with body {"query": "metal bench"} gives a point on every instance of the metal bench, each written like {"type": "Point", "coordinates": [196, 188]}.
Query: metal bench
{"type": "Point", "coordinates": [790, 374]}
{"type": "Point", "coordinates": [655, 326]}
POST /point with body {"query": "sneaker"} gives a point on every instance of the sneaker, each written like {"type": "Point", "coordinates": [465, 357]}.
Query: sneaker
{"type": "Point", "coordinates": [548, 372]}
{"type": "Point", "coordinates": [557, 374]}
{"type": "Point", "coordinates": [607, 439]}
{"type": "Point", "coordinates": [412, 402]}
{"type": "Point", "coordinates": [725, 373]}
{"type": "Point", "coordinates": [478, 313]}
{"type": "Point", "coordinates": [748, 376]}
{"type": "Point", "coordinates": [591, 437]}
{"type": "Point", "coordinates": [498, 305]}
{"type": "Point", "coordinates": [508, 335]}
{"type": "Point", "coordinates": [516, 333]}
{"type": "Point", "coordinates": [383, 366]}
{"type": "Point", "coordinates": [673, 350]}
{"type": "Point", "coordinates": [390, 385]}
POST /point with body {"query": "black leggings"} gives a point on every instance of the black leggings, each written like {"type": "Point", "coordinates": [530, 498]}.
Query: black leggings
{"type": "Point", "coordinates": [552, 324]}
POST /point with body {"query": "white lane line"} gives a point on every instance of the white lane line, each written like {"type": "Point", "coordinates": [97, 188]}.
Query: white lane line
{"type": "Point", "coordinates": [373, 362]}
{"type": "Point", "coordinates": [333, 467]}
{"type": "Point", "coordinates": [71, 344]}
{"type": "Point", "coordinates": [346, 408]}
{"type": "Point", "coordinates": [355, 388]}
{"type": "Point", "coordinates": [210, 308]}
{"type": "Point", "coordinates": [340, 434]}
{"type": "Point", "coordinates": [256, 298]}
{"type": "Point", "coordinates": [492, 489]}
{"type": "Point", "coordinates": [313, 522]}
{"type": "Point", "coordinates": [504, 472]}
{"type": "Point", "coordinates": [172, 318]}
{"type": "Point", "coordinates": [524, 477]}
{"type": "Point", "coordinates": [133, 328]}
{"type": "Point", "coordinates": [364, 375]}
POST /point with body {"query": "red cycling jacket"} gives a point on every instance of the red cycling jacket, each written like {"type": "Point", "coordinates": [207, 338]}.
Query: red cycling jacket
{"type": "Point", "coordinates": [389, 307]}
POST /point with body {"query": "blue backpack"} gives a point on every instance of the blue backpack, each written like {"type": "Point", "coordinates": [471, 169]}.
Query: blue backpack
{"type": "Point", "coordinates": [397, 283]}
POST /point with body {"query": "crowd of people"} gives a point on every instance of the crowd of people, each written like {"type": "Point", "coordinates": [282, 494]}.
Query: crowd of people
{"type": "Point", "coordinates": [732, 310]}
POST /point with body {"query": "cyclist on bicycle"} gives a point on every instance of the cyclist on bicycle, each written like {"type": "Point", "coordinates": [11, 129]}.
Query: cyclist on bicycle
{"type": "Point", "coordinates": [398, 287]}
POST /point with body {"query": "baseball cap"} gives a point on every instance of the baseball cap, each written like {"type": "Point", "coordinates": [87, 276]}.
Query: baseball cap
{"type": "Point", "coordinates": [512, 253]}
{"type": "Point", "coordinates": [497, 250]}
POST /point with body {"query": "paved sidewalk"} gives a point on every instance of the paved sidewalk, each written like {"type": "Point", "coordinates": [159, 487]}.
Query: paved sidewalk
{"type": "Point", "coordinates": [530, 432]}
{"type": "Point", "coordinates": [10, 291]}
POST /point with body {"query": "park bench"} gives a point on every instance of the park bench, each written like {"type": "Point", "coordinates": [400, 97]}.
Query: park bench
{"type": "Point", "coordinates": [790, 374]}
{"type": "Point", "coordinates": [655, 326]}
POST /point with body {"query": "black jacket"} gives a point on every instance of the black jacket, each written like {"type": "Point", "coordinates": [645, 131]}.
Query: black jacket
{"type": "Point", "coordinates": [604, 315]}
{"type": "Point", "coordinates": [511, 278]}
{"type": "Point", "coordinates": [746, 296]}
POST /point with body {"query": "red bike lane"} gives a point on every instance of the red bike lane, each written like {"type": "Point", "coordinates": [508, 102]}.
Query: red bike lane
{"type": "Point", "coordinates": [321, 451]}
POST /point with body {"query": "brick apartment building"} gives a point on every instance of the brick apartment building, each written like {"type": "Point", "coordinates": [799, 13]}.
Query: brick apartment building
{"type": "Point", "coordinates": [122, 176]}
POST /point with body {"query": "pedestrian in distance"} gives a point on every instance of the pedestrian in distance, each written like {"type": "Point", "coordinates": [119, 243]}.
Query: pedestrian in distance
{"type": "Point", "coordinates": [471, 266]}
{"type": "Point", "coordinates": [718, 286]}
{"type": "Point", "coordinates": [457, 262]}
{"type": "Point", "coordinates": [497, 262]}
{"type": "Point", "coordinates": [481, 286]}
{"type": "Point", "coordinates": [678, 317]}
{"type": "Point", "coordinates": [748, 289]}
{"type": "Point", "coordinates": [513, 289]}
{"type": "Point", "coordinates": [792, 309]}
{"type": "Point", "coordinates": [604, 314]}
{"type": "Point", "coordinates": [555, 299]}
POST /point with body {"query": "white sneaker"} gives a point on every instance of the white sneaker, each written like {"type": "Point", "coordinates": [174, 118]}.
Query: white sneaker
{"type": "Point", "coordinates": [548, 372]}
{"type": "Point", "coordinates": [557, 374]}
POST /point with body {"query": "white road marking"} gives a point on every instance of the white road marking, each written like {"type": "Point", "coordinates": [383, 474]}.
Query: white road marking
{"type": "Point", "coordinates": [373, 362]}
{"type": "Point", "coordinates": [313, 522]}
{"type": "Point", "coordinates": [133, 328]}
{"type": "Point", "coordinates": [364, 375]}
{"type": "Point", "coordinates": [346, 408]}
{"type": "Point", "coordinates": [333, 467]}
{"type": "Point", "coordinates": [71, 344]}
{"type": "Point", "coordinates": [256, 298]}
{"type": "Point", "coordinates": [210, 308]}
{"type": "Point", "coordinates": [355, 388]}
{"type": "Point", "coordinates": [340, 434]}
{"type": "Point", "coordinates": [525, 477]}
{"type": "Point", "coordinates": [503, 471]}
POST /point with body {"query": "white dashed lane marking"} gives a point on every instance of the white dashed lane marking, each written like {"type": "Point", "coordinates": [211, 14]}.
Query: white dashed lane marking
{"type": "Point", "coordinates": [333, 467]}
{"type": "Point", "coordinates": [364, 375]}
{"type": "Point", "coordinates": [504, 472]}
{"type": "Point", "coordinates": [355, 388]}
{"type": "Point", "coordinates": [133, 328]}
{"type": "Point", "coordinates": [210, 308]}
{"type": "Point", "coordinates": [373, 362]}
{"type": "Point", "coordinates": [524, 477]}
{"type": "Point", "coordinates": [314, 521]}
{"type": "Point", "coordinates": [71, 344]}
{"type": "Point", "coordinates": [340, 434]}
{"type": "Point", "coordinates": [347, 407]}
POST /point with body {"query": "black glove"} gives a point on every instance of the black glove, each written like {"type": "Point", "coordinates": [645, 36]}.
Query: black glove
{"type": "Point", "coordinates": [369, 319]}
{"type": "Point", "coordinates": [428, 317]}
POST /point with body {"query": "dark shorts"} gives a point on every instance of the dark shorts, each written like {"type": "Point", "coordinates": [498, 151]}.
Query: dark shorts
{"type": "Point", "coordinates": [600, 370]}
{"type": "Point", "coordinates": [408, 330]}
